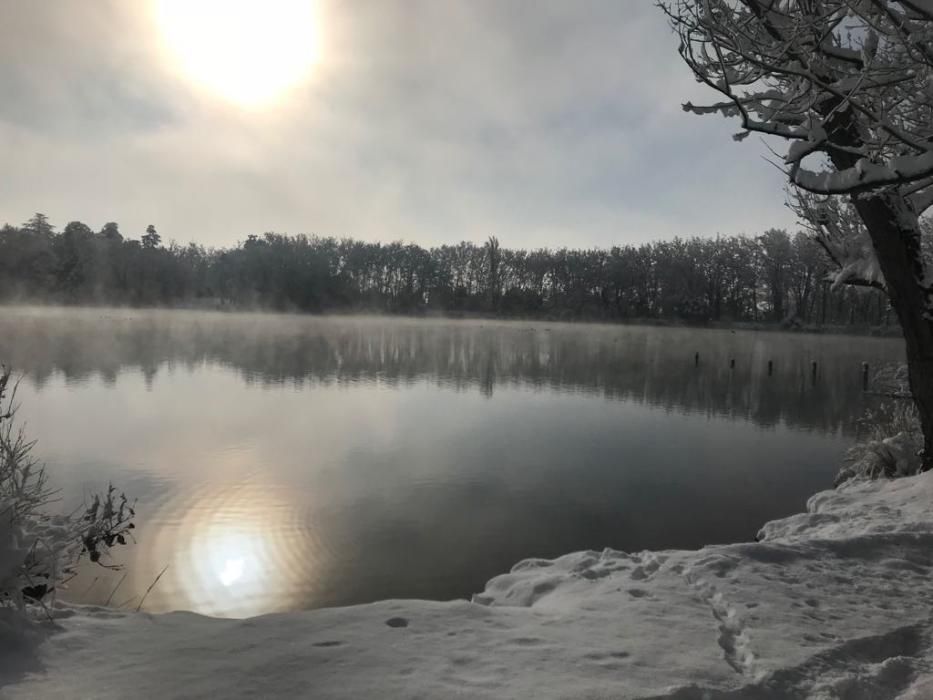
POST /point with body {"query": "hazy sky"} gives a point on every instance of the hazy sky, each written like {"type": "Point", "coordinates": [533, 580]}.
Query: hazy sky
{"type": "Point", "coordinates": [541, 122]}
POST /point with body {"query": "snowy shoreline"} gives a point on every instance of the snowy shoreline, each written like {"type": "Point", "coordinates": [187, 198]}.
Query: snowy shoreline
{"type": "Point", "coordinates": [831, 603]}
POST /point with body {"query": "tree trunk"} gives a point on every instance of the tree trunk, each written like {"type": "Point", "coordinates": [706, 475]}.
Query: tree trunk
{"type": "Point", "coordinates": [895, 237]}
{"type": "Point", "coordinates": [823, 304]}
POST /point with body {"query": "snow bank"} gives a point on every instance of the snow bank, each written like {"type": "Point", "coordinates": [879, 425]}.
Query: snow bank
{"type": "Point", "coordinates": [832, 603]}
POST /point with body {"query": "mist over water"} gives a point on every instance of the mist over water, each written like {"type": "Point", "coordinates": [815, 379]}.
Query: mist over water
{"type": "Point", "coordinates": [291, 462]}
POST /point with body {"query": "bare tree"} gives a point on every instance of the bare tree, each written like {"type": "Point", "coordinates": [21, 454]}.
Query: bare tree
{"type": "Point", "coordinates": [776, 256]}
{"type": "Point", "coordinates": [848, 86]}
{"type": "Point", "coordinates": [493, 260]}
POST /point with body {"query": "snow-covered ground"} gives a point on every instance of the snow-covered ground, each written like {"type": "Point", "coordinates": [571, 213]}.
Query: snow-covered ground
{"type": "Point", "coordinates": [834, 603]}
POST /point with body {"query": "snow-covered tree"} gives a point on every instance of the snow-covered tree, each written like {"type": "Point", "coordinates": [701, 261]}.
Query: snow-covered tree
{"type": "Point", "coordinates": [847, 86]}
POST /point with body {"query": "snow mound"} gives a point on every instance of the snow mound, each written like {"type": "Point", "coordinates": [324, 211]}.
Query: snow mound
{"type": "Point", "coordinates": [831, 603]}
{"type": "Point", "coordinates": [859, 509]}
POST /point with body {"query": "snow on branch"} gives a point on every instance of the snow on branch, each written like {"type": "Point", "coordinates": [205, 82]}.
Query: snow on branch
{"type": "Point", "coordinates": [863, 176]}
{"type": "Point", "coordinates": [851, 79]}
{"type": "Point", "coordinates": [922, 199]}
{"type": "Point", "coordinates": [848, 85]}
{"type": "Point", "coordinates": [839, 231]}
{"type": "Point", "coordinates": [920, 8]}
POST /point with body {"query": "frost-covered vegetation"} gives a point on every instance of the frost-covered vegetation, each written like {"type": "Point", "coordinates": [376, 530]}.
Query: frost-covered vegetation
{"type": "Point", "coordinates": [891, 446]}
{"type": "Point", "coordinates": [890, 440]}
{"type": "Point", "coordinates": [39, 549]}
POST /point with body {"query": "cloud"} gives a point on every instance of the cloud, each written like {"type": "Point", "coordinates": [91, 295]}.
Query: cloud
{"type": "Point", "coordinates": [544, 123]}
{"type": "Point", "coordinates": [79, 70]}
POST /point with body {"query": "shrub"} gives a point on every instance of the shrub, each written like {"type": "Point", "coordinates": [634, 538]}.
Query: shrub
{"type": "Point", "coordinates": [38, 550]}
{"type": "Point", "coordinates": [891, 441]}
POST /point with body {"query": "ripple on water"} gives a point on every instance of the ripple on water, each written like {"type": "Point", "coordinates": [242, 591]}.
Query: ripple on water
{"type": "Point", "coordinates": [234, 551]}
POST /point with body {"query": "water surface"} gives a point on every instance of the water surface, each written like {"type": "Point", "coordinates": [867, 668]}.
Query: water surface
{"type": "Point", "coordinates": [291, 462]}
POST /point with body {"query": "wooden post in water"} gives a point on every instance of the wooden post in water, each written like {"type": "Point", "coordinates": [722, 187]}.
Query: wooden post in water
{"type": "Point", "coordinates": [770, 367]}
{"type": "Point", "coordinates": [732, 363]}
{"type": "Point", "coordinates": [696, 359]}
{"type": "Point", "coordinates": [864, 376]}
{"type": "Point", "coordinates": [813, 371]}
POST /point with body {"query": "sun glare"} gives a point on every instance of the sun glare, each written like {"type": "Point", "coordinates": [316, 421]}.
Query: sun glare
{"type": "Point", "coordinates": [232, 571]}
{"type": "Point", "coordinates": [249, 52]}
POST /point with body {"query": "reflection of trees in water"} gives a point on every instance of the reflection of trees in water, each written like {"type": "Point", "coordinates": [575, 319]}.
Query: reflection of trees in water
{"type": "Point", "coordinates": [652, 366]}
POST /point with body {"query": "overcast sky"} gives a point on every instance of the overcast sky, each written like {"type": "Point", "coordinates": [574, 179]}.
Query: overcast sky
{"type": "Point", "coordinates": [543, 123]}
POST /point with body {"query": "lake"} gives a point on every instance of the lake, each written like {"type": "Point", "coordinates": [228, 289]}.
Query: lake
{"type": "Point", "coordinates": [288, 462]}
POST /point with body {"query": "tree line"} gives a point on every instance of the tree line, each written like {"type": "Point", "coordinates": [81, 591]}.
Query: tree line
{"type": "Point", "coordinates": [772, 277]}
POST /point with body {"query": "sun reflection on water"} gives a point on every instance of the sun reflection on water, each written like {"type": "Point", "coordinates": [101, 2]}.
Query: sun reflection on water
{"type": "Point", "coordinates": [232, 572]}
{"type": "Point", "coordinates": [241, 551]}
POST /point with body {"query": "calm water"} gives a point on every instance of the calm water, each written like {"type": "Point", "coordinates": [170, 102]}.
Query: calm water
{"type": "Point", "coordinates": [286, 462]}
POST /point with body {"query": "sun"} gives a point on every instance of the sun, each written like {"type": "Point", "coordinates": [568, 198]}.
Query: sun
{"type": "Point", "coordinates": [250, 52]}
